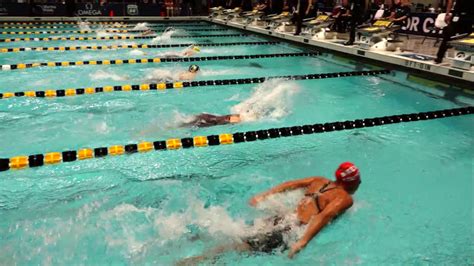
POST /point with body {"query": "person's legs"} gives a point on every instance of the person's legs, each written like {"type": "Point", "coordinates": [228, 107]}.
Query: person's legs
{"type": "Point", "coordinates": [448, 32]}
{"type": "Point", "coordinates": [214, 253]}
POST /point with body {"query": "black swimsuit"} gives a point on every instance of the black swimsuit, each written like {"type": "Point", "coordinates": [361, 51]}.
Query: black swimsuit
{"type": "Point", "coordinates": [268, 242]}
{"type": "Point", "coordinates": [315, 195]}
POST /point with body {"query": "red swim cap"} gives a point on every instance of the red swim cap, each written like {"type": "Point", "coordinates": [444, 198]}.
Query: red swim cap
{"type": "Point", "coordinates": [348, 173]}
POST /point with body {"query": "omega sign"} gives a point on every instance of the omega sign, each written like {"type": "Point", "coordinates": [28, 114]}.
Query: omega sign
{"type": "Point", "coordinates": [89, 9]}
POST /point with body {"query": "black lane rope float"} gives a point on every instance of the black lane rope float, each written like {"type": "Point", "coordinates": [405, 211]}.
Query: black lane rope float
{"type": "Point", "coordinates": [150, 60]}
{"type": "Point", "coordinates": [112, 26]}
{"type": "Point", "coordinates": [183, 84]}
{"type": "Point", "coordinates": [93, 31]}
{"type": "Point", "coordinates": [115, 37]}
{"type": "Point", "coordinates": [127, 46]}
{"type": "Point", "coordinates": [36, 160]}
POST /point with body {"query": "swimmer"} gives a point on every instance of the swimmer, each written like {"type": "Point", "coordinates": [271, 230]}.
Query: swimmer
{"type": "Point", "coordinates": [208, 120]}
{"type": "Point", "coordinates": [190, 74]}
{"type": "Point", "coordinates": [187, 52]}
{"type": "Point", "coordinates": [322, 202]}
{"type": "Point", "coordinates": [166, 76]}
{"type": "Point", "coordinates": [147, 32]}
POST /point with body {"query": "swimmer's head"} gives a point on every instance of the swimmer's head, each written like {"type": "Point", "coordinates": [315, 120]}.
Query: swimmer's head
{"type": "Point", "coordinates": [348, 175]}
{"type": "Point", "coordinates": [196, 48]}
{"type": "Point", "coordinates": [193, 68]}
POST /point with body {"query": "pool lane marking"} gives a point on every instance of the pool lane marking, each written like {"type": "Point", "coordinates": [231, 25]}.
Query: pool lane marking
{"type": "Point", "coordinates": [112, 26]}
{"type": "Point", "coordinates": [36, 160]}
{"type": "Point", "coordinates": [182, 84]}
{"type": "Point", "coordinates": [129, 46]}
{"type": "Point", "coordinates": [93, 31]}
{"type": "Point", "coordinates": [150, 60]}
{"type": "Point", "coordinates": [112, 38]}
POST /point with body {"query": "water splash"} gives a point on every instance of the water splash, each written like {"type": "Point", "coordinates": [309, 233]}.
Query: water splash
{"type": "Point", "coordinates": [136, 52]}
{"type": "Point", "coordinates": [165, 36]}
{"type": "Point", "coordinates": [84, 25]}
{"type": "Point", "coordinates": [162, 75]}
{"type": "Point", "coordinates": [141, 26]}
{"type": "Point", "coordinates": [270, 100]}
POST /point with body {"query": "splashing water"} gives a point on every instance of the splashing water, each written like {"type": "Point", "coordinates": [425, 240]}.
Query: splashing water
{"type": "Point", "coordinates": [165, 37]}
{"type": "Point", "coordinates": [84, 25]}
{"type": "Point", "coordinates": [162, 75]}
{"type": "Point", "coordinates": [270, 100]}
{"type": "Point", "coordinates": [101, 74]}
{"type": "Point", "coordinates": [137, 52]}
{"type": "Point", "coordinates": [141, 26]}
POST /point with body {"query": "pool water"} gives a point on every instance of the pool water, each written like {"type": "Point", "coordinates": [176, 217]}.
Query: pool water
{"type": "Point", "coordinates": [414, 205]}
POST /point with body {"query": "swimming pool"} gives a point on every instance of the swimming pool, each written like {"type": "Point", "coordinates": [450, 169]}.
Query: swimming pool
{"type": "Point", "coordinates": [413, 207]}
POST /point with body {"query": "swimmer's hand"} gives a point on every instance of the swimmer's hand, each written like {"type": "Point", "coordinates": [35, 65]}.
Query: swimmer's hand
{"type": "Point", "coordinates": [256, 199]}
{"type": "Point", "coordinates": [295, 249]}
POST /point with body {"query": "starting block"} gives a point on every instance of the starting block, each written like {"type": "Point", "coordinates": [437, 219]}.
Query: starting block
{"type": "Point", "coordinates": [464, 53]}
{"type": "Point", "coordinates": [376, 37]}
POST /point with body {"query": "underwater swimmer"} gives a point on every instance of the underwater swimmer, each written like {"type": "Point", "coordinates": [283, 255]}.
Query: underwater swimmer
{"type": "Point", "coordinates": [323, 201]}
{"type": "Point", "coordinates": [208, 120]}
{"type": "Point", "coordinates": [160, 75]}
{"type": "Point", "coordinates": [147, 32]}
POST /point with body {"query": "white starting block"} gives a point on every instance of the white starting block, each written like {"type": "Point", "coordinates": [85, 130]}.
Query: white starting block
{"type": "Point", "coordinates": [377, 38]}
{"type": "Point", "coordinates": [253, 18]}
{"type": "Point", "coordinates": [234, 15]}
{"type": "Point", "coordinates": [217, 13]}
{"type": "Point", "coordinates": [464, 53]}
{"type": "Point", "coordinates": [319, 28]}
{"type": "Point", "coordinates": [280, 22]}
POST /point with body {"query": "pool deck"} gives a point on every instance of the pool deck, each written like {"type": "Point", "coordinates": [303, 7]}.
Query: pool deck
{"type": "Point", "coordinates": [443, 72]}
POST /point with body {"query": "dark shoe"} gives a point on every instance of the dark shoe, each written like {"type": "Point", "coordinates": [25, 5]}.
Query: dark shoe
{"type": "Point", "coordinates": [438, 60]}
{"type": "Point", "coordinates": [349, 43]}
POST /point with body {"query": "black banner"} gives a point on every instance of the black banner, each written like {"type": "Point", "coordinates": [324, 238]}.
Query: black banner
{"type": "Point", "coordinates": [48, 10]}
{"type": "Point", "coordinates": [420, 24]}
{"type": "Point", "coordinates": [89, 9]}
{"type": "Point", "coordinates": [14, 9]}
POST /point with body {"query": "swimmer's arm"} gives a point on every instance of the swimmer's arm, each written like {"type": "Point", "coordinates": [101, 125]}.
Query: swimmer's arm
{"type": "Point", "coordinates": [290, 185]}
{"type": "Point", "coordinates": [319, 221]}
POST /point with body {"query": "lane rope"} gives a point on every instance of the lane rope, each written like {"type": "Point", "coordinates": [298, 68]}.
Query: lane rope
{"type": "Point", "coordinates": [150, 60]}
{"type": "Point", "coordinates": [129, 46]}
{"type": "Point", "coordinates": [112, 26]}
{"type": "Point", "coordinates": [45, 22]}
{"type": "Point", "coordinates": [182, 84]}
{"type": "Point", "coordinates": [115, 37]}
{"type": "Point", "coordinates": [36, 160]}
{"type": "Point", "coordinates": [93, 31]}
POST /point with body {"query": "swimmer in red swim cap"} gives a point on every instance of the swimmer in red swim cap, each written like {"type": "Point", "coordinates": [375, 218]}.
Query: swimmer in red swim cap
{"type": "Point", "coordinates": [323, 201]}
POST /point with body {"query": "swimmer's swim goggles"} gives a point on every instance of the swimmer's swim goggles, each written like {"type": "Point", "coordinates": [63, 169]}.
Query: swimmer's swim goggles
{"type": "Point", "coordinates": [193, 68]}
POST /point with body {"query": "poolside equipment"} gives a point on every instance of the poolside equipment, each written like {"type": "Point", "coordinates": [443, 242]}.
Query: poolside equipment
{"type": "Point", "coordinates": [378, 37]}
{"type": "Point", "coordinates": [319, 27]}
{"type": "Point", "coordinates": [464, 52]}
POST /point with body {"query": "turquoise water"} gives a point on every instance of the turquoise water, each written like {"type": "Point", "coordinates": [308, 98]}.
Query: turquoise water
{"type": "Point", "coordinates": [413, 207]}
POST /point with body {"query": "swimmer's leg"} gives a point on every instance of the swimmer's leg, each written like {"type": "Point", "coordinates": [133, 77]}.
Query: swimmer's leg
{"type": "Point", "coordinates": [214, 253]}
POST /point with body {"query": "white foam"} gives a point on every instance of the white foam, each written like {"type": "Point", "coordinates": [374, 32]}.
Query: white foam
{"type": "Point", "coordinates": [141, 26]}
{"type": "Point", "coordinates": [137, 52]}
{"type": "Point", "coordinates": [165, 36]}
{"type": "Point", "coordinates": [101, 74]}
{"type": "Point", "coordinates": [162, 74]}
{"type": "Point", "coordinates": [83, 25]}
{"type": "Point", "coordinates": [270, 100]}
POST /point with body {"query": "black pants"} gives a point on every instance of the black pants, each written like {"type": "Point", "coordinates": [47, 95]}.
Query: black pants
{"type": "Point", "coordinates": [298, 20]}
{"type": "Point", "coordinates": [463, 25]}
{"type": "Point", "coordinates": [356, 19]}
